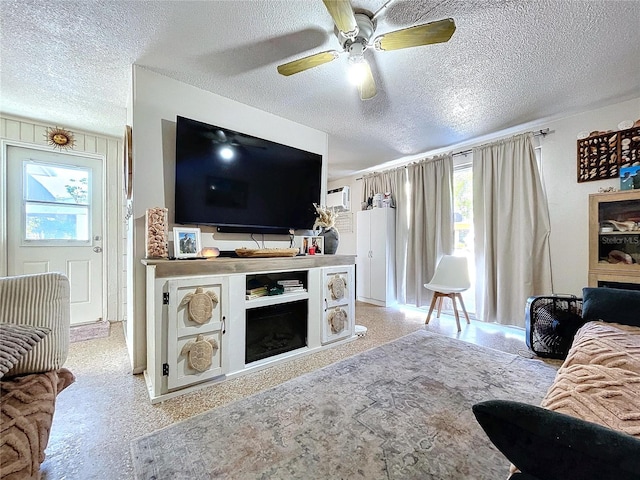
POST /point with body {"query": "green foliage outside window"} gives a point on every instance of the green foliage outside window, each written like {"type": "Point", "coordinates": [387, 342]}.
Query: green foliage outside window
{"type": "Point", "coordinates": [79, 190]}
{"type": "Point", "coordinates": [463, 194]}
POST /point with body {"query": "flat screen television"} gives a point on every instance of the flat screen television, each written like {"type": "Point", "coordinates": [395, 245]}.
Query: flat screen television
{"type": "Point", "coordinates": [241, 183]}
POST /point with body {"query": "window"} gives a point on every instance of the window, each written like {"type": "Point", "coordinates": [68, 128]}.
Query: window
{"type": "Point", "coordinates": [463, 226]}
{"type": "Point", "coordinates": [56, 202]}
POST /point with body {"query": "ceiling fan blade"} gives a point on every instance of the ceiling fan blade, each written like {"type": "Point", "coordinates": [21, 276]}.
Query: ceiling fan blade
{"type": "Point", "coordinates": [434, 32]}
{"type": "Point", "coordinates": [367, 86]}
{"type": "Point", "coordinates": [343, 16]}
{"type": "Point", "coordinates": [306, 63]}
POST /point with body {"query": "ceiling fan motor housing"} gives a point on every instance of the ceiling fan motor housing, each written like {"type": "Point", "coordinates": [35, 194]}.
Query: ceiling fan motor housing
{"type": "Point", "coordinates": [366, 28]}
{"type": "Point", "coordinates": [356, 51]}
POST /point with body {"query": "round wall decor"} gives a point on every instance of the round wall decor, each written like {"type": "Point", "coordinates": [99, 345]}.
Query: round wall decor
{"type": "Point", "coordinates": [60, 138]}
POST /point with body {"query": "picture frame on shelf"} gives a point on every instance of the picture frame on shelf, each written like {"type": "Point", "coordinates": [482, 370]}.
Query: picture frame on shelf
{"type": "Point", "coordinates": [313, 245]}
{"type": "Point", "coordinates": [630, 178]}
{"type": "Point", "coordinates": [187, 242]}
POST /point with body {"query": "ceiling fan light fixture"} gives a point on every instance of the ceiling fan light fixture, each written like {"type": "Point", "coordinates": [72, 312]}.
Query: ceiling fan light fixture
{"type": "Point", "coordinates": [357, 71]}
{"type": "Point", "coordinates": [357, 63]}
{"type": "Point", "coordinates": [226, 152]}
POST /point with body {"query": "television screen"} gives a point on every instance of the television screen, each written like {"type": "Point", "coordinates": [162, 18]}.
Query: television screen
{"type": "Point", "coordinates": [243, 183]}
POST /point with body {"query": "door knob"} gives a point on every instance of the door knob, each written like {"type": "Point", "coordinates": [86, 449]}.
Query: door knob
{"type": "Point", "coordinates": [97, 249]}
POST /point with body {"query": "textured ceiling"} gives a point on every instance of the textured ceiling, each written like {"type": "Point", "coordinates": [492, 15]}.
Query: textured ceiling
{"type": "Point", "coordinates": [508, 63]}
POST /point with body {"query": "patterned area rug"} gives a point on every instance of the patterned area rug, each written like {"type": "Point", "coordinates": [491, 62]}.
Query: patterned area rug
{"type": "Point", "coordinates": [398, 411]}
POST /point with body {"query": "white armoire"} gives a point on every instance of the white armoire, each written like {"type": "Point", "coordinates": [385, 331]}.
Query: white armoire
{"type": "Point", "coordinates": [375, 261]}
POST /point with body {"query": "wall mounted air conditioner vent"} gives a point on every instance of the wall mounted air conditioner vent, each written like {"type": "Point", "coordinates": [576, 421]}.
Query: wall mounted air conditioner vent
{"type": "Point", "coordinates": [339, 199]}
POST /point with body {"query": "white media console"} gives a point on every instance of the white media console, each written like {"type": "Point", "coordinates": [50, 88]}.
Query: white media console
{"type": "Point", "coordinates": [245, 334]}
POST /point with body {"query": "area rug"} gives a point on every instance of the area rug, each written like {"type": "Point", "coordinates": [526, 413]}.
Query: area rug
{"type": "Point", "coordinates": [398, 411]}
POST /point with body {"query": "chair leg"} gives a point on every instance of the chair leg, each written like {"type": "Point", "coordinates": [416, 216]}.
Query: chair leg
{"type": "Point", "coordinates": [440, 300]}
{"type": "Point", "coordinates": [455, 310]}
{"type": "Point", "coordinates": [431, 307]}
{"type": "Point", "coordinates": [466, 315]}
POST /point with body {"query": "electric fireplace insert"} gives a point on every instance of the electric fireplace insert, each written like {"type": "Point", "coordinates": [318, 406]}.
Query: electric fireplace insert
{"type": "Point", "coordinates": [275, 329]}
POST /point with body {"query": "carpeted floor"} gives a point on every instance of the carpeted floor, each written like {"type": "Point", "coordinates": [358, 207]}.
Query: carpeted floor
{"type": "Point", "coordinates": [401, 410]}
{"type": "Point", "coordinates": [81, 333]}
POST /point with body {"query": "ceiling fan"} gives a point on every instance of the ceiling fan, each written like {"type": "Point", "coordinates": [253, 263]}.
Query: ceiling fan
{"type": "Point", "coordinates": [355, 31]}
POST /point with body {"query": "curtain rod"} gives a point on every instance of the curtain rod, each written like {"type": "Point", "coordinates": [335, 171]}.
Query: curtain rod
{"type": "Point", "coordinates": [539, 133]}
{"type": "Point", "coordinates": [544, 132]}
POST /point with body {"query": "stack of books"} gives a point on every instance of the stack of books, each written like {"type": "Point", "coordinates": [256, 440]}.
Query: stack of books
{"type": "Point", "coordinates": [257, 292]}
{"type": "Point", "coordinates": [292, 286]}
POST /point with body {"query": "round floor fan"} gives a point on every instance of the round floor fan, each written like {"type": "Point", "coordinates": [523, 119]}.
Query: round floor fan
{"type": "Point", "coordinates": [551, 323]}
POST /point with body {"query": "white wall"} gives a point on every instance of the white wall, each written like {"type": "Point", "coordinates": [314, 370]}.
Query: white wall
{"type": "Point", "coordinates": [156, 102]}
{"type": "Point", "coordinates": [568, 200]}
{"type": "Point", "coordinates": [347, 245]}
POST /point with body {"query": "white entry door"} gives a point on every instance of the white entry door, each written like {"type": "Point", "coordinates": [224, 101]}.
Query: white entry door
{"type": "Point", "coordinates": [54, 222]}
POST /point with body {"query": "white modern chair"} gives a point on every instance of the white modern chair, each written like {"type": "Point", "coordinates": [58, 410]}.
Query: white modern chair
{"type": "Point", "coordinates": [450, 279]}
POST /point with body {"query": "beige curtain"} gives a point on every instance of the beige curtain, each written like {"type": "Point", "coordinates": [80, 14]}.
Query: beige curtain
{"type": "Point", "coordinates": [381, 182]}
{"type": "Point", "coordinates": [429, 229]}
{"type": "Point", "coordinates": [423, 197]}
{"type": "Point", "coordinates": [511, 223]}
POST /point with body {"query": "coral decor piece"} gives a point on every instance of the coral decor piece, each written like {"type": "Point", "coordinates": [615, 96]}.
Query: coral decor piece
{"type": "Point", "coordinates": [157, 231]}
{"type": "Point", "coordinates": [326, 217]}
{"type": "Point", "coordinates": [200, 304]}
{"type": "Point", "coordinates": [200, 352]}
{"type": "Point", "coordinates": [60, 138]}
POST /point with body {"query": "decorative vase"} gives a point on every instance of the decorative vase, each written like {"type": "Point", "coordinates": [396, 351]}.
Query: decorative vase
{"type": "Point", "coordinates": [331, 240]}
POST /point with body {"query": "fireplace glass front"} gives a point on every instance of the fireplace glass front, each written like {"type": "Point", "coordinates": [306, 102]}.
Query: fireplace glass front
{"type": "Point", "coordinates": [275, 329]}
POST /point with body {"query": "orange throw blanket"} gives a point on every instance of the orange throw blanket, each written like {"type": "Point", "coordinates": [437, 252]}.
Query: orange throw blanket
{"type": "Point", "coordinates": [600, 379]}
{"type": "Point", "coordinates": [28, 404]}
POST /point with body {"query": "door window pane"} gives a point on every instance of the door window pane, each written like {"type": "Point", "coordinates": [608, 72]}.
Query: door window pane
{"type": "Point", "coordinates": [56, 202]}
{"type": "Point", "coordinates": [56, 222]}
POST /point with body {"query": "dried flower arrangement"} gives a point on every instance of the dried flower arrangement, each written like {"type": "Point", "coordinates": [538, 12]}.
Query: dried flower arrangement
{"type": "Point", "coordinates": [326, 217]}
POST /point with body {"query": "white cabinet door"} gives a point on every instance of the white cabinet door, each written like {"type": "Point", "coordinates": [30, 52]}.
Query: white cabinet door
{"type": "Point", "coordinates": [338, 319]}
{"type": "Point", "coordinates": [190, 323]}
{"type": "Point", "coordinates": [375, 242]}
{"type": "Point", "coordinates": [363, 250]}
{"type": "Point", "coordinates": [379, 254]}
